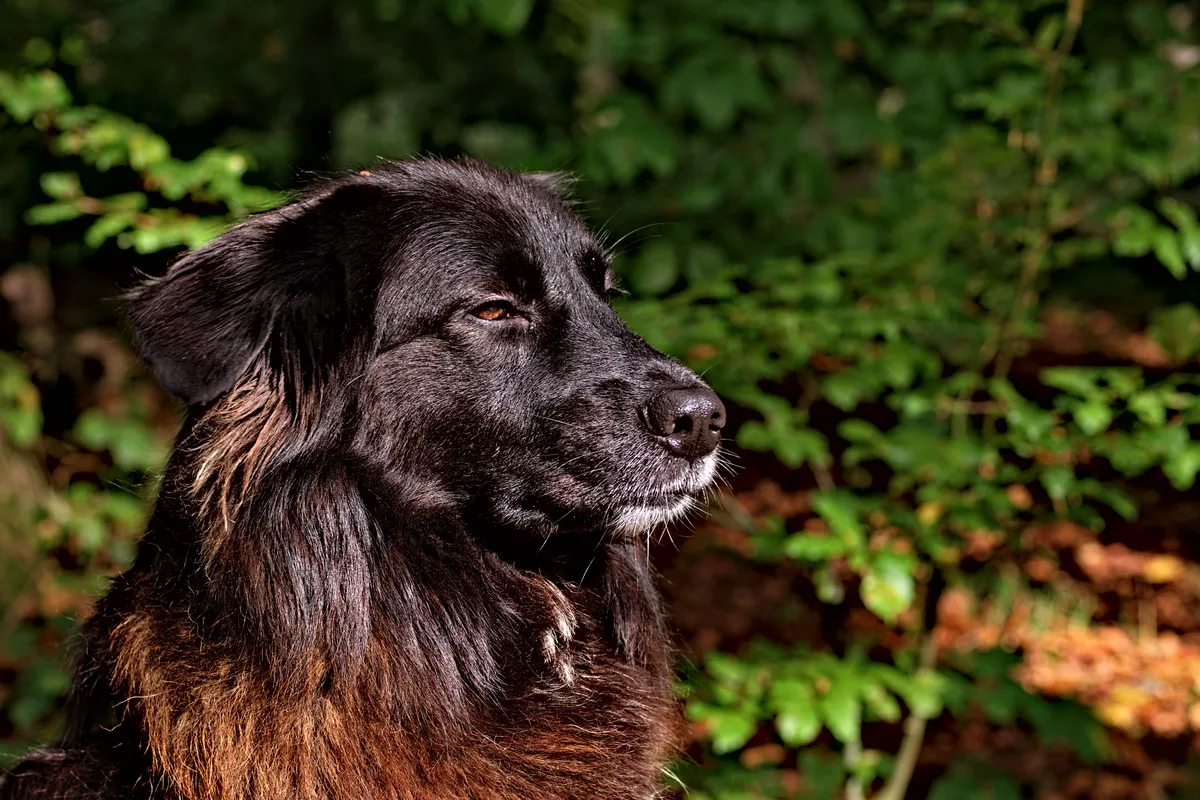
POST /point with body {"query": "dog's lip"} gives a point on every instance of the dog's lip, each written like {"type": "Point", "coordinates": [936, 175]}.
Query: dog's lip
{"type": "Point", "coordinates": [642, 517]}
{"type": "Point", "coordinates": [696, 477]}
{"type": "Point", "coordinates": [663, 498]}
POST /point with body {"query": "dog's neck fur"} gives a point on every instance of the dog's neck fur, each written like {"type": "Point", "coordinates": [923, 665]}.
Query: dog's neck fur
{"type": "Point", "coordinates": [349, 651]}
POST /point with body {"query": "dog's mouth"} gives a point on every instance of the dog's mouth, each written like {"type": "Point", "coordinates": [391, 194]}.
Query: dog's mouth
{"type": "Point", "coordinates": [642, 514]}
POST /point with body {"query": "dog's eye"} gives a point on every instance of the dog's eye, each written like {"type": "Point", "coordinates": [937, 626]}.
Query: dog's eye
{"type": "Point", "coordinates": [494, 311]}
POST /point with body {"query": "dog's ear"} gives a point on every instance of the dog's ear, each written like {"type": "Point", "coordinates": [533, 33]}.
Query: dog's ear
{"type": "Point", "coordinates": [560, 184]}
{"type": "Point", "coordinates": [282, 274]}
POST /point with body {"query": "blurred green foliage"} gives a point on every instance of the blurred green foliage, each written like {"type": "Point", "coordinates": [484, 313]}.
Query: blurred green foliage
{"type": "Point", "coordinates": [859, 219]}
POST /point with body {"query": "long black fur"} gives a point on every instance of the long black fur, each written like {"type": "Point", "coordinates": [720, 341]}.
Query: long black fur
{"type": "Point", "coordinates": [399, 550]}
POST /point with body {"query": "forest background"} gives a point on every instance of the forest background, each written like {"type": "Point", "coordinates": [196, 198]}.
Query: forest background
{"type": "Point", "coordinates": [942, 260]}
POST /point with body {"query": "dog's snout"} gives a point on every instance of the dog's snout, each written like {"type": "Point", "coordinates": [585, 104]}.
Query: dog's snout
{"type": "Point", "coordinates": [687, 420]}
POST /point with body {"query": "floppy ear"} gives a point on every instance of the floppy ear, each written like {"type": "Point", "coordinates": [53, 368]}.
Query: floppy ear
{"type": "Point", "coordinates": [284, 273]}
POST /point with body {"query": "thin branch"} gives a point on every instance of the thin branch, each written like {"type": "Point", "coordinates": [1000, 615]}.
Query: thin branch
{"type": "Point", "coordinates": [914, 735]}
{"type": "Point", "coordinates": [1044, 175]}
{"type": "Point", "coordinates": [850, 757]}
{"type": "Point", "coordinates": [823, 476]}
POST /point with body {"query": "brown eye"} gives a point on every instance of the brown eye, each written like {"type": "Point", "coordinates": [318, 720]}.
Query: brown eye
{"type": "Point", "coordinates": [495, 311]}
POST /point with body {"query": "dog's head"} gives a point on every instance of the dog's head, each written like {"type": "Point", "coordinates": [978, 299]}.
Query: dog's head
{"type": "Point", "coordinates": [446, 324]}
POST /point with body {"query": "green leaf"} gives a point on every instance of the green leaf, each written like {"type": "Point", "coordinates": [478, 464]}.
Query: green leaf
{"type": "Point", "coordinates": [842, 710]}
{"type": "Point", "coordinates": [730, 730]}
{"type": "Point", "coordinates": [1057, 482]}
{"type": "Point", "coordinates": [1076, 380]}
{"type": "Point", "coordinates": [23, 96]}
{"type": "Point", "coordinates": [753, 435]}
{"type": "Point", "coordinates": [888, 588]}
{"type": "Point", "coordinates": [108, 226]}
{"type": "Point", "coordinates": [1137, 237]}
{"type": "Point", "coordinates": [838, 509]}
{"type": "Point", "coordinates": [1149, 408]}
{"type": "Point", "coordinates": [93, 429]}
{"type": "Point", "coordinates": [1181, 215]}
{"type": "Point", "coordinates": [798, 726]}
{"type": "Point", "coordinates": [52, 213]}
{"type": "Point", "coordinates": [881, 703]}
{"type": "Point", "coordinates": [924, 693]}
{"type": "Point", "coordinates": [845, 389]}
{"type": "Point", "coordinates": [61, 185]}
{"type": "Point", "coordinates": [1093, 418]}
{"type": "Point", "coordinates": [1168, 252]}
{"type": "Point", "coordinates": [859, 430]}
{"type": "Point", "coordinates": [813, 549]}
{"type": "Point", "coordinates": [22, 426]}
{"type": "Point", "coordinates": [134, 448]}
{"type": "Point", "coordinates": [1177, 329]}
{"type": "Point", "coordinates": [795, 706]}
{"type": "Point", "coordinates": [728, 668]}
{"type": "Point", "coordinates": [1182, 467]}
{"type": "Point", "coordinates": [798, 446]}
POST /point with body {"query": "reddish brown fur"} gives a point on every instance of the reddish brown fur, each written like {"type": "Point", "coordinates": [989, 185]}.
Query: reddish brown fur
{"type": "Point", "coordinates": [239, 432]}
{"type": "Point", "coordinates": [216, 731]}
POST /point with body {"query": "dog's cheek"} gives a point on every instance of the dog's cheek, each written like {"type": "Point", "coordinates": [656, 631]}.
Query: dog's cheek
{"type": "Point", "coordinates": [451, 414]}
{"type": "Point", "coordinates": [411, 411]}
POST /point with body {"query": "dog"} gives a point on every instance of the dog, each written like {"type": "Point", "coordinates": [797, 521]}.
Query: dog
{"type": "Point", "coordinates": [400, 548]}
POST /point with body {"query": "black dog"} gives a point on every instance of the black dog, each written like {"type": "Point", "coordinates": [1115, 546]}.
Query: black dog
{"type": "Point", "coordinates": [399, 550]}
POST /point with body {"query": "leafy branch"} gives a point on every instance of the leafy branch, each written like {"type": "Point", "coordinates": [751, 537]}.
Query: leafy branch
{"type": "Point", "coordinates": [104, 141]}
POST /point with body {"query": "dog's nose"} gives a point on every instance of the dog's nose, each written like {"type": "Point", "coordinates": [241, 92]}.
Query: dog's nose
{"type": "Point", "coordinates": [687, 420]}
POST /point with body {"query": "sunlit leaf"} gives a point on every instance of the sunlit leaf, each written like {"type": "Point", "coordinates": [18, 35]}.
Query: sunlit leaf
{"type": "Point", "coordinates": [841, 709]}
{"type": "Point", "coordinates": [888, 588]}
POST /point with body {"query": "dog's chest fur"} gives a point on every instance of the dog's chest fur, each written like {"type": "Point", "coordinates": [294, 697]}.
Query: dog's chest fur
{"type": "Point", "coordinates": [569, 715]}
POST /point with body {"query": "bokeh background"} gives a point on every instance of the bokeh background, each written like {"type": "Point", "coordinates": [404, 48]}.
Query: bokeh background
{"type": "Point", "coordinates": [939, 257]}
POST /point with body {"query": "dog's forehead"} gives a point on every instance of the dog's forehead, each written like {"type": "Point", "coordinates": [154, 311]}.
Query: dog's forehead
{"type": "Point", "coordinates": [476, 222]}
{"type": "Point", "coordinates": [509, 210]}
